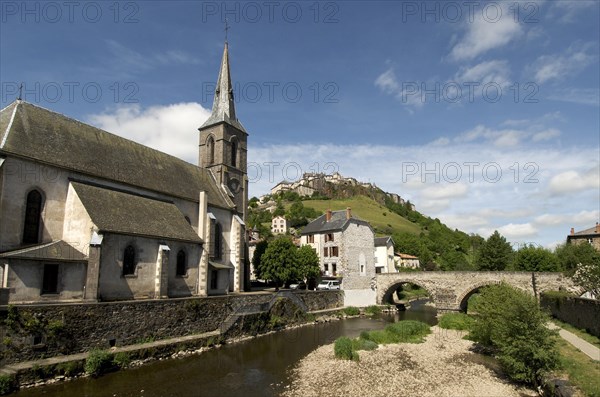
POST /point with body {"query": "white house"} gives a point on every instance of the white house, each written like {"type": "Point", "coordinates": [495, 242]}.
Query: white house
{"type": "Point", "coordinates": [279, 225]}
{"type": "Point", "coordinates": [384, 255]}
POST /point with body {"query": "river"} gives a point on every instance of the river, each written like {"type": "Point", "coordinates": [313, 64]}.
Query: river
{"type": "Point", "coordinates": [257, 367]}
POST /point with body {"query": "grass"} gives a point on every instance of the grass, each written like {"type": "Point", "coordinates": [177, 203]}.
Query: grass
{"type": "Point", "coordinates": [368, 210]}
{"type": "Point", "coordinates": [351, 311]}
{"type": "Point", "coordinates": [579, 332]}
{"type": "Point", "coordinates": [406, 331]}
{"type": "Point", "coordinates": [459, 321]}
{"type": "Point", "coordinates": [581, 370]}
{"type": "Point", "coordinates": [412, 292]}
{"type": "Point", "coordinates": [372, 310]}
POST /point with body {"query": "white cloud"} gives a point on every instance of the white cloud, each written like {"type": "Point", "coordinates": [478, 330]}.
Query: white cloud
{"type": "Point", "coordinates": [446, 191]}
{"type": "Point", "coordinates": [487, 72]}
{"type": "Point", "coordinates": [388, 82]}
{"type": "Point", "coordinates": [582, 218]}
{"type": "Point", "coordinates": [172, 129]}
{"type": "Point", "coordinates": [572, 181]}
{"type": "Point", "coordinates": [560, 66]}
{"type": "Point", "coordinates": [584, 96]}
{"type": "Point", "coordinates": [567, 11]}
{"type": "Point", "coordinates": [486, 32]}
{"type": "Point", "coordinates": [516, 231]}
{"type": "Point", "coordinates": [545, 135]}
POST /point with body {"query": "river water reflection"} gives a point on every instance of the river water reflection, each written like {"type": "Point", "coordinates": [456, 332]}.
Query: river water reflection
{"type": "Point", "coordinates": [257, 367]}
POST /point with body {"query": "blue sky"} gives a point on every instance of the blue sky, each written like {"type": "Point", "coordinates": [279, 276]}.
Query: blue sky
{"type": "Point", "coordinates": [483, 114]}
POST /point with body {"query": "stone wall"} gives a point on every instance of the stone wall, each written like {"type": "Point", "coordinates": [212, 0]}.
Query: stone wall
{"type": "Point", "coordinates": [34, 331]}
{"type": "Point", "coordinates": [579, 312]}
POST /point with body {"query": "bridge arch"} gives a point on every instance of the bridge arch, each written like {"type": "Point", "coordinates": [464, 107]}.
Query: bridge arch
{"type": "Point", "coordinates": [390, 290]}
{"type": "Point", "coordinates": [463, 299]}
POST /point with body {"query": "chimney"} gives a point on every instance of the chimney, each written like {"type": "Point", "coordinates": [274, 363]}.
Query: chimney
{"type": "Point", "coordinates": [328, 215]}
{"type": "Point", "coordinates": [597, 228]}
{"type": "Point", "coordinates": [572, 230]}
{"type": "Point", "coordinates": [348, 213]}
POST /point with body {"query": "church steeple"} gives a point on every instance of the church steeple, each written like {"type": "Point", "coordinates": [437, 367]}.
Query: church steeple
{"type": "Point", "coordinates": [223, 109]}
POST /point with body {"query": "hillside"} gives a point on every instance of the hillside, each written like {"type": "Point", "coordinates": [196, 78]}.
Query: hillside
{"type": "Point", "coordinates": [383, 221]}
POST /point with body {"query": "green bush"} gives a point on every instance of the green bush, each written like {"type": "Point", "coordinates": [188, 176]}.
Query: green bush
{"type": "Point", "coordinates": [121, 359]}
{"type": "Point", "coordinates": [7, 384]}
{"type": "Point", "coordinates": [351, 311]}
{"type": "Point", "coordinates": [70, 368]}
{"type": "Point", "coordinates": [98, 362]}
{"type": "Point", "coordinates": [511, 323]}
{"type": "Point", "coordinates": [460, 321]}
{"type": "Point", "coordinates": [409, 331]}
{"type": "Point", "coordinates": [373, 310]}
{"type": "Point", "coordinates": [343, 349]}
{"type": "Point", "coordinates": [363, 344]}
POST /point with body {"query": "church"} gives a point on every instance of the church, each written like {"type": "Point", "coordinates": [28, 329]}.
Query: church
{"type": "Point", "coordinates": [86, 215]}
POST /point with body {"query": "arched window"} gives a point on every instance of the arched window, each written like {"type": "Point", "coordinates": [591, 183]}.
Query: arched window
{"type": "Point", "coordinates": [33, 212]}
{"type": "Point", "coordinates": [217, 242]}
{"type": "Point", "coordinates": [129, 261]}
{"type": "Point", "coordinates": [210, 150]}
{"type": "Point", "coordinates": [234, 147]}
{"type": "Point", "coordinates": [181, 263]}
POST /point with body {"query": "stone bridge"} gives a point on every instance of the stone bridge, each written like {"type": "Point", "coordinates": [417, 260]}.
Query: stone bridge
{"type": "Point", "coordinates": [450, 291]}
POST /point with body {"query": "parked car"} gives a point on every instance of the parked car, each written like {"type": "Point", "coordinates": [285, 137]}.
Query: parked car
{"type": "Point", "coordinates": [298, 285]}
{"type": "Point", "coordinates": [328, 285]}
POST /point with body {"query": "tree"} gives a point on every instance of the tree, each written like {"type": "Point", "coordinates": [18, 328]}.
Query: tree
{"type": "Point", "coordinates": [495, 253]}
{"type": "Point", "coordinates": [511, 322]}
{"type": "Point", "coordinates": [587, 276]}
{"type": "Point", "coordinates": [278, 263]}
{"type": "Point", "coordinates": [570, 255]}
{"type": "Point", "coordinates": [261, 247]}
{"type": "Point", "coordinates": [279, 209]}
{"type": "Point", "coordinates": [535, 259]}
{"type": "Point", "coordinates": [307, 263]}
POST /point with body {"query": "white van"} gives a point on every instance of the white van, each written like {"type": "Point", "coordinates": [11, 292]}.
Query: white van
{"type": "Point", "coordinates": [329, 285]}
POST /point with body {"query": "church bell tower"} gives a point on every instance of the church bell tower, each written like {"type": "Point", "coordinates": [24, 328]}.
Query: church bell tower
{"type": "Point", "coordinates": [223, 141]}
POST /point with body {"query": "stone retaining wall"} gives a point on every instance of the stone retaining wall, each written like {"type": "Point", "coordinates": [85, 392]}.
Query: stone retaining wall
{"type": "Point", "coordinates": [579, 312]}
{"type": "Point", "coordinates": [30, 332]}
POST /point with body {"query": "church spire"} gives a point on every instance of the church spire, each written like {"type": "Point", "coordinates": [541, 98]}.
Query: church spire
{"type": "Point", "coordinates": [223, 105]}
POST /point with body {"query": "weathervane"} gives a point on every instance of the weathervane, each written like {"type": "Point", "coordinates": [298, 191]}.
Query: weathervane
{"type": "Point", "coordinates": [20, 92]}
{"type": "Point", "coordinates": [226, 29]}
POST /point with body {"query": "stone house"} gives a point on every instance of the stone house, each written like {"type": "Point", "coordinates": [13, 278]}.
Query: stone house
{"type": "Point", "coordinates": [407, 261]}
{"type": "Point", "coordinates": [279, 225]}
{"type": "Point", "coordinates": [345, 246]}
{"type": "Point", "coordinates": [86, 215]}
{"type": "Point", "coordinates": [587, 236]}
{"type": "Point", "coordinates": [384, 255]}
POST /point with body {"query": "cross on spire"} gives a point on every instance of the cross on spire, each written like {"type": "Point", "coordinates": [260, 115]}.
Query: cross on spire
{"type": "Point", "coordinates": [227, 27]}
{"type": "Point", "coordinates": [20, 92]}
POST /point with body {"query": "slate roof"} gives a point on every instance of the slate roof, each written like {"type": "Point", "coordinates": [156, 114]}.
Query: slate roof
{"type": "Point", "coordinates": [382, 241]}
{"type": "Point", "coordinates": [35, 133]}
{"type": "Point", "coordinates": [587, 232]}
{"type": "Point", "coordinates": [338, 222]}
{"type": "Point", "coordinates": [55, 250]}
{"type": "Point", "coordinates": [123, 213]}
{"type": "Point", "coordinates": [223, 110]}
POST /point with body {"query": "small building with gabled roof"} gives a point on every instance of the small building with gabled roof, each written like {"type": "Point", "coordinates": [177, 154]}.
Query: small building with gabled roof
{"type": "Point", "coordinates": [587, 236]}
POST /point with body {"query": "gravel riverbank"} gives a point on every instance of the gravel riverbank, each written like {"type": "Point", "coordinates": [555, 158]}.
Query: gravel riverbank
{"type": "Point", "coordinates": [441, 366]}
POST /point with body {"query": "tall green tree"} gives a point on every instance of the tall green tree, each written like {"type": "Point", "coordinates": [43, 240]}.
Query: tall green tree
{"type": "Point", "coordinates": [535, 259]}
{"type": "Point", "coordinates": [278, 263]}
{"type": "Point", "coordinates": [495, 253]}
{"type": "Point", "coordinates": [570, 255]}
{"type": "Point", "coordinates": [279, 209]}
{"type": "Point", "coordinates": [307, 263]}
{"type": "Point", "coordinates": [261, 247]}
{"type": "Point", "coordinates": [511, 322]}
